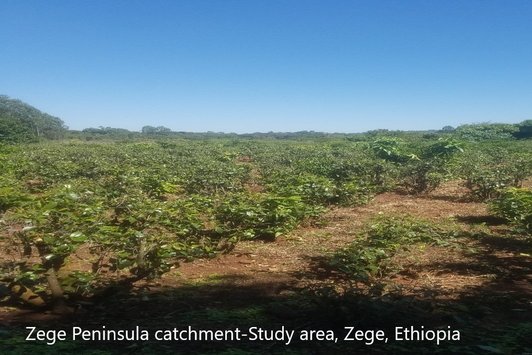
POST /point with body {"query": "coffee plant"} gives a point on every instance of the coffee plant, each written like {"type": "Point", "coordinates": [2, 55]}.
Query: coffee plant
{"type": "Point", "coordinates": [515, 205]}
{"type": "Point", "coordinates": [368, 257]}
{"type": "Point", "coordinates": [132, 209]}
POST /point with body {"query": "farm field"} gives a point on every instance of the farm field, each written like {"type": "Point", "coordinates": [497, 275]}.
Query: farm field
{"type": "Point", "coordinates": [265, 177]}
{"type": "Point", "coordinates": [373, 231]}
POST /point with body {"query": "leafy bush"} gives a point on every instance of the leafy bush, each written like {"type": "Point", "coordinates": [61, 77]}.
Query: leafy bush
{"type": "Point", "coordinates": [442, 149]}
{"type": "Point", "coordinates": [355, 193]}
{"type": "Point", "coordinates": [321, 191]}
{"type": "Point", "coordinates": [262, 216]}
{"type": "Point", "coordinates": [312, 189]}
{"type": "Point", "coordinates": [418, 177]}
{"type": "Point", "coordinates": [11, 194]}
{"type": "Point", "coordinates": [486, 131]}
{"type": "Point", "coordinates": [390, 149]}
{"type": "Point", "coordinates": [135, 232]}
{"type": "Point", "coordinates": [488, 173]}
{"type": "Point", "coordinates": [55, 225]}
{"type": "Point", "coordinates": [428, 172]}
{"type": "Point", "coordinates": [515, 205]}
{"type": "Point", "coordinates": [368, 256]}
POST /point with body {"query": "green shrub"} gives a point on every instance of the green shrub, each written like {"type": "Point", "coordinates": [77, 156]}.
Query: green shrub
{"type": "Point", "coordinates": [389, 149]}
{"type": "Point", "coordinates": [262, 215]}
{"type": "Point", "coordinates": [421, 176]}
{"type": "Point", "coordinates": [424, 174]}
{"type": "Point", "coordinates": [11, 194]}
{"type": "Point", "coordinates": [486, 131]}
{"type": "Point", "coordinates": [515, 205]}
{"type": "Point", "coordinates": [314, 190]}
{"type": "Point", "coordinates": [368, 257]}
{"type": "Point", "coordinates": [321, 191]}
{"type": "Point", "coordinates": [488, 173]}
{"type": "Point", "coordinates": [354, 193]}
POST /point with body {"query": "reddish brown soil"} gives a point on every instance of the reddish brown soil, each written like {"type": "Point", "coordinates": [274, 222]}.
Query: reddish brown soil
{"type": "Point", "coordinates": [292, 255]}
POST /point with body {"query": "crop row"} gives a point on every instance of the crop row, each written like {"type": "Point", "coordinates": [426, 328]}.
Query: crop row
{"type": "Point", "coordinates": [140, 208]}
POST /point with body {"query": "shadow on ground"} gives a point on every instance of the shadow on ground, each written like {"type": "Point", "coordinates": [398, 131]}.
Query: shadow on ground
{"type": "Point", "coordinates": [486, 219]}
{"type": "Point", "coordinates": [494, 317]}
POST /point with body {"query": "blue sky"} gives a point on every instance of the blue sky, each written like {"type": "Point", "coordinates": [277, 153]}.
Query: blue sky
{"type": "Point", "coordinates": [269, 65]}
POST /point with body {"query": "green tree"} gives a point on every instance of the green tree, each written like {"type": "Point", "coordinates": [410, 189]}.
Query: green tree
{"type": "Point", "coordinates": [155, 130]}
{"type": "Point", "coordinates": [525, 130]}
{"type": "Point", "coordinates": [22, 122]}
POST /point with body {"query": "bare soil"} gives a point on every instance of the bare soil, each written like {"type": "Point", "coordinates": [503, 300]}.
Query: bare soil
{"type": "Point", "coordinates": [291, 255]}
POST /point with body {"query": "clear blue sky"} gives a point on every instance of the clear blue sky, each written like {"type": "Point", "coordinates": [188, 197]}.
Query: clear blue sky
{"type": "Point", "coordinates": [269, 65]}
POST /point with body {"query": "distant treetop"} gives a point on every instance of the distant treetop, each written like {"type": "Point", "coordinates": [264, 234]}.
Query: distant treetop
{"type": "Point", "coordinates": [22, 122]}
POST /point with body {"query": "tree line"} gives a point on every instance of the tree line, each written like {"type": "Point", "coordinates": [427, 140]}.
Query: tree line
{"type": "Point", "coordinates": [21, 122]}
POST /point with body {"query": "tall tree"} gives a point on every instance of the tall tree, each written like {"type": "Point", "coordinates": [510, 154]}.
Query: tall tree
{"type": "Point", "coordinates": [21, 122]}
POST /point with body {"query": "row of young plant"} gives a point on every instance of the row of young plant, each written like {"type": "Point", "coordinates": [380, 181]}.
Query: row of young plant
{"type": "Point", "coordinates": [139, 208]}
{"type": "Point", "coordinates": [142, 207]}
{"type": "Point", "coordinates": [370, 257]}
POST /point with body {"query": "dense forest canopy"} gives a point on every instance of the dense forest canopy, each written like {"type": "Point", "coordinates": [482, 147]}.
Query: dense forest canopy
{"type": "Point", "coordinates": [22, 122]}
